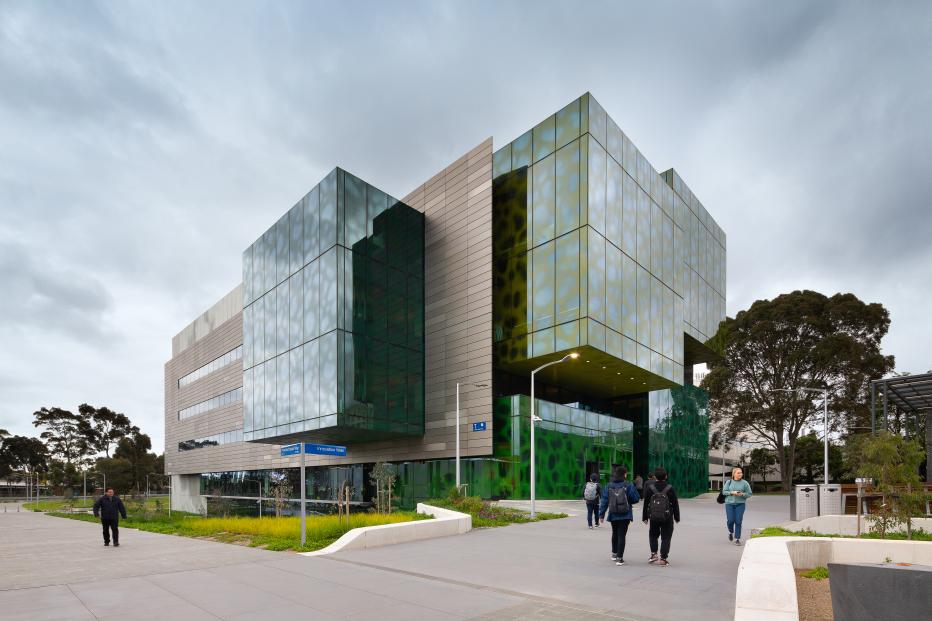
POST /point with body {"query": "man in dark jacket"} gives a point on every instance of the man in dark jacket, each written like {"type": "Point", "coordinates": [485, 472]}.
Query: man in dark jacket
{"type": "Point", "coordinates": [661, 514]}
{"type": "Point", "coordinates": [617, 500]}
{"type": "Point", "coordinates": [109, 508]}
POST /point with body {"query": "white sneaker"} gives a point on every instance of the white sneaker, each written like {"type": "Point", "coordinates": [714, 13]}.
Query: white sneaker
{"type": "Point", "coordinates": [590, 528]}
{"type": "Point", "coordinates": [620, 562]}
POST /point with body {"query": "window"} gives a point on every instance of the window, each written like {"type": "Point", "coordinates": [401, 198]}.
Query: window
{"type": "Point", "coordinates": [227, 437]}
{"type": "Point", "coordinates": [219, 401]}
{"type": "Point", "coordinates": [217, 363]}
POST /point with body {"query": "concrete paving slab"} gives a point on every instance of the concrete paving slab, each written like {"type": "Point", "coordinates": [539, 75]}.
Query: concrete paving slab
{"type": "Point", "coordinates": [564, 562]}
{"type": "Point", "coordinates": [56, 568]}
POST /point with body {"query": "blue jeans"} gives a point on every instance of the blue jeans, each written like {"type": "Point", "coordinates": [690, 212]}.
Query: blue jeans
{"type": "Point", "coordinates": [734, 514]}
{"type": "Point", "coordinates": [592, 508]}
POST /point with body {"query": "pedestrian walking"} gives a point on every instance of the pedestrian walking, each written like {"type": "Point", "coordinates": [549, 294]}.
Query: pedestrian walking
{"type": "Point", "coordinates": [736, 491]}
{"type": "Point", "coordinates": [661, 510]}
{"type": "Point", "coordinates": [592, 493]}
{"type": "Point", "coordinates": [639, 485]}
{"type": "Point", "coordinates": [618, 497]}
{"type": "Point", "coordinates": [109, 508]}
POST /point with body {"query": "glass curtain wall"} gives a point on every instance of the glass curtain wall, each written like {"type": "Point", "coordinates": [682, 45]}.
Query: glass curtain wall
{"type": "Point", "coordinates": [333, 324]}
{"type": "Point", "coordinates": [591, 250]}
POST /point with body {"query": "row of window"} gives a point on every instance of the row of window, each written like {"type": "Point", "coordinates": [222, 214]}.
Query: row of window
{"type": "Point", "coordinates": [227, 437]}
{"type": "Point", "coordinates": [210, 367]}
{"type": "Point", "coordinates": [227, 398]}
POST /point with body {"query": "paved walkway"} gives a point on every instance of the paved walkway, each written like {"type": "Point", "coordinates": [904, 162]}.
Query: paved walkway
{"type": "Point", "coordinates": [562, 561]}
{"type": "Point", "coordinates": [54, 568]}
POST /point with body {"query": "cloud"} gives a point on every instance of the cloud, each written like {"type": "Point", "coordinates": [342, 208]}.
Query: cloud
{"type": "Point", "coordinates": [146, 145]}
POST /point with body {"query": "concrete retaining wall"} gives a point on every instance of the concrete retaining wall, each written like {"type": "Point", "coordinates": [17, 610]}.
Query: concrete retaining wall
{"type": "Point", "coordinates": [766, 587]}
{"type": "Point", "coordinates": [843, 525]}
{"type": "Point", "coordinates": [444, 524]}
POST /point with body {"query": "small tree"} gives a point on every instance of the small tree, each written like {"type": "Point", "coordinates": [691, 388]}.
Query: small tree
{"type": "Point", "coordinates": [280, 490]}
{"type": "Point", "coordinates": [893, 463]}
{"type": "Point", "coordinates": [383, 478]}
{"type": "Point", "coordinates": [759, 462]}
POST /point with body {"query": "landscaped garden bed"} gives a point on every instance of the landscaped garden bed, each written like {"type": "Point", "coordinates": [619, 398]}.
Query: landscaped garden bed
{"type": "Point", "coordinates": [485, 514]}
{"type": "Point", "coordinates": [271, 533]}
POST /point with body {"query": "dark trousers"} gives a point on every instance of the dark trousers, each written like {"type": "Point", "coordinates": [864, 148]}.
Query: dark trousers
{"type": "Point", "coordinates": [619, 533]}
{"type": "Point", "coordinates": [592, 509]}
{"type": "Point", "coordinates": [664, 530]}
{"type": "Point", "coordinates": [113, 526]}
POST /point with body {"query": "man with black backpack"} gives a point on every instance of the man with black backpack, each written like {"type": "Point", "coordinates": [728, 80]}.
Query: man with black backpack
{"type": "Point", "coordinates": [661, 509]}
{"type": "Point", "coordinates": [617, 498]}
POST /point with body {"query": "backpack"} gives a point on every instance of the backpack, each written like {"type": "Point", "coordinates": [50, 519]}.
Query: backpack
{"type": "Point", "coordinates": [591, 492]}
{"type": "Point", "coordinates": [618, 500]}
{"type": "Point", "coordinates": [659, 509]}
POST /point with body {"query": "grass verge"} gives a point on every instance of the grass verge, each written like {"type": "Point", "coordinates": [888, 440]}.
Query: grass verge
{"type": "Point", "coordinates": [485, 514]}
{"type": "Point", "coordinates": [776, 531]}
{"type": "Point", "coordinates": [816, 573]}
{"type": "Point", "coordinates": [282, 533]}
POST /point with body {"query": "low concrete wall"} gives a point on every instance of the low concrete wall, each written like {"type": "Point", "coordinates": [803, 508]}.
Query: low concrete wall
{"type": "Point", "coordinates": [444, 524]}
{"type": "Point", "coordinates": [766, 587]}
{"type": "Point", "coordinates": [843, 525]}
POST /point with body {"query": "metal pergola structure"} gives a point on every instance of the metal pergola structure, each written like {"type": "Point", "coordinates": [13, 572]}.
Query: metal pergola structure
{"type": "Point", "coordinates": [913, 393]}
{"type": "Point", "coordinates": [910, 392]}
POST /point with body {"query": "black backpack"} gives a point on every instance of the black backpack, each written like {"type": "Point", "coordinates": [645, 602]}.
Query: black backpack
{"type": "Point", "coordinates": [618, 499]}
{"type": "Point", "coordinates": [659, 510]}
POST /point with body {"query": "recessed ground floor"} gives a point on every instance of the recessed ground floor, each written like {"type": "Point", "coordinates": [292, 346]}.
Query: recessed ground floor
{"type": "Point", "coordinates": [667, 428]}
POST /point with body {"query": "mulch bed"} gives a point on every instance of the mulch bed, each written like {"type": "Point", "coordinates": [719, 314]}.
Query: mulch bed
{"type": "Point", "coordinates": [814, 599]}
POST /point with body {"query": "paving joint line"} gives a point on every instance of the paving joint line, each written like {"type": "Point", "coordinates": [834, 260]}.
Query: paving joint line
{"type": "Point", "coordinates": [482, 587]}
{"type": "Point", "coordinates": [81, 601]}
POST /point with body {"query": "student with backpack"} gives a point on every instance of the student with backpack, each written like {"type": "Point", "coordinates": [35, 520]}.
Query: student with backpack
{"type": "Point", "coordinates": [617, 499]}
{"type": "Point", "coordinates": [592, 492]}
{"type": "Point", "coordinates": [661, 510]}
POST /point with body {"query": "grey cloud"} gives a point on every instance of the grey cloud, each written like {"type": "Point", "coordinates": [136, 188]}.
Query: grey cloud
{"type": "Point", "coordinates": [147, 144]}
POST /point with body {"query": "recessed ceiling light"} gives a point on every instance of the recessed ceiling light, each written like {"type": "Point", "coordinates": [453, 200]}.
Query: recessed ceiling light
{"type": "Point", "coordinates": [603, 367]}
{"type": "Point", "coordinates": [619, 373]}
{"type": "Point", "coordinates": [632, 378]}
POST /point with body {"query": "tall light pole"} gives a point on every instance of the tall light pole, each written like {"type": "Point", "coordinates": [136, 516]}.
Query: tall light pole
{"type": "Point", "coordinates": [824, 392]}
{"type": "Point", "coordinates": [534, 419]}
{"type": "Point", "coordinates": [458, 430]}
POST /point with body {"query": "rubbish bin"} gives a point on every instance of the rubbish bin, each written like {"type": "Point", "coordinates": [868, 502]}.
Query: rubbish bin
{"type": "Point", "coordinates": [804, 502]}
{"type": "Point", "coordinates": [830, 499]}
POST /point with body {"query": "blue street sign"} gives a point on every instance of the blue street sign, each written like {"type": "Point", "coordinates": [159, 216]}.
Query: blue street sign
{"type": "Point", "coordinates": [291, 449]}
{"type": "Point", "coordinates": [325, 449]}
{"type": "Point", "coordinates": [478, 426]}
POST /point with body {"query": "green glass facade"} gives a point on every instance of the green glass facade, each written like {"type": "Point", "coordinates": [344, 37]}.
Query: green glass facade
{"type": "Point", "coordinates": [596, 252]}
{"type": "Point", "coordinates": [594, 248]}
{"type": "Point", "coordinates": [333, 319]}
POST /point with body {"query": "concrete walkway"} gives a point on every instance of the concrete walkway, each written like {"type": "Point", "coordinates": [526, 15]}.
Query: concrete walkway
{"type": "Point", "coordinates": [53, 568]}
{"type": "Point", "coordinates": [563, 562]}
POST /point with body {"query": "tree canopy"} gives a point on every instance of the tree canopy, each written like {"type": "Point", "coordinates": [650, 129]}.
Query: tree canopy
{"type": "Point", "coordinates": [802, 339]}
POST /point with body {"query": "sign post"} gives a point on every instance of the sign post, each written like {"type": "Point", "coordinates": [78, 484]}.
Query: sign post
{"type": "Point", "coordinates": [303, 506]}
{"type": "Point", "coordinates": [295, 449]}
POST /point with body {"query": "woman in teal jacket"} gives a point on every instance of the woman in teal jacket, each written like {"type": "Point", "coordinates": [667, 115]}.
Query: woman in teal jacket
{"type": "Point", "coordinates": [736, 491]}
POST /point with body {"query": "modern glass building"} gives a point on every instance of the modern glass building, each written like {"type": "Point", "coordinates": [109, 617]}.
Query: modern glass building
{"type": "Point", "coordinates": [359, 314]}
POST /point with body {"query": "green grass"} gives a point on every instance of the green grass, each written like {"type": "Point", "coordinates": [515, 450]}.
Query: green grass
{"type": "Point", "coordinates": [271, 533]}
{"type": "Point", "coordinates": [816, 573]}
{"type": "Point", "coordinates": [79, 503]}
{"type": "Point", "coordinates": [485, 514]}
{"type": "Point", "coordinates": [776, 531]}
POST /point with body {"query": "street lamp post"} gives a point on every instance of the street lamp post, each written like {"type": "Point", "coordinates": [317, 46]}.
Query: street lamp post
{"type": "Point", "coordinates": [824, 392]}
{"type": "Point", "coordinates": [458, 430]}
{"type": "Point", "coordinates": [534, 419]}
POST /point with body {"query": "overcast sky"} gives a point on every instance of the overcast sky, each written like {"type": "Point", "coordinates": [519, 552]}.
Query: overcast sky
{"type": "Point", "coordinates": [143, 146]}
